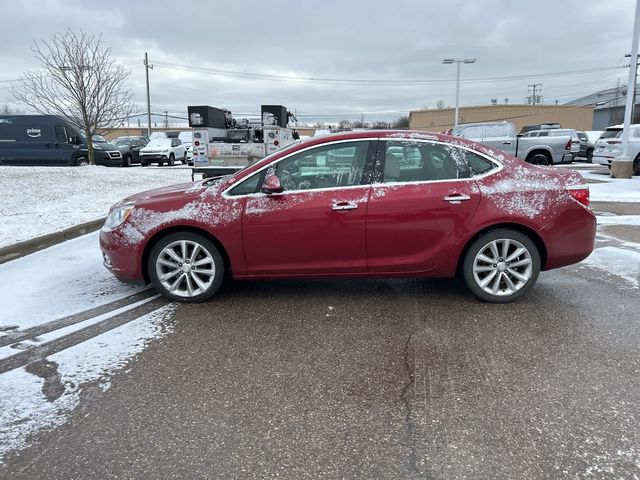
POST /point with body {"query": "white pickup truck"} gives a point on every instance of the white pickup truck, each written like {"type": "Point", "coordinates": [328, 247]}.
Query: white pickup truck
{"type": "Point", "coordinates": [540, 147]}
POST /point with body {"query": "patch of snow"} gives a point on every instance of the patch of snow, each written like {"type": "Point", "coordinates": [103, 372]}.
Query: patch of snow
{"type": "Point", "coordinates": [59, 281]}
{"type": "Point", "coordinates": [41, 200]}
{"type": "Point", "coordinates": [618, 220]}
{"type": "Point", "coordinates": [617, 261]}
{"type": "Point", "coordinates": [24, 409]}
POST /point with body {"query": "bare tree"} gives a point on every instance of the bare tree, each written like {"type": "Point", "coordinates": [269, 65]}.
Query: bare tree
{"type": "Point", "coordinates": [79, 82]}
{"type": "Point", "coordinates": [401, 122]}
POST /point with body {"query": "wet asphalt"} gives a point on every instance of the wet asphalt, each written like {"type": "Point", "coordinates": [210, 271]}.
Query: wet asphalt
{"type": "Point", "coordinates": [388, 379]}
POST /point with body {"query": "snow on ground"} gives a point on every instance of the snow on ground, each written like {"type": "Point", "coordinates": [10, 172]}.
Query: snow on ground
{"type": "Point", "coordinates": [617, 261]}
{"type": "Point", "coordinates": [24, 409]}
{"type": "Point", "coordinates": [47, 285]}
{"type": "Point", "coordinates": [59, 281]}
{"type": "Point", "coordinates": [612, 189]}
{"type": "Point", "coordinates": [41, 200]}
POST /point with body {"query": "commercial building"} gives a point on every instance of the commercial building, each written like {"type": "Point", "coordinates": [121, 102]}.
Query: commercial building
{"type": "Point", "coordinates": [578, 117]}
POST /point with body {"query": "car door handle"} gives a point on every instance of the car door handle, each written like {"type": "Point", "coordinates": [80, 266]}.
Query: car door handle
{"type": "Point", "coordinates": [506, 143]}
{"type": "Point", "coordinates": [456, 198]}
{"type": "Point", "coordinates": [344, 206]}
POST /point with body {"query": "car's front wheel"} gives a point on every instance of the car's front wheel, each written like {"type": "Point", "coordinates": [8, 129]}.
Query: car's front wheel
{"type": "Point", "coordinates": [501, 265]}
{"type": "Point", "coordinates": [186, 267]}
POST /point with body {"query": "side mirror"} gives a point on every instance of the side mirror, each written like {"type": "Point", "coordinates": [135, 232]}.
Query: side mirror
{"type": "Point", "coordinates": [272, 185]}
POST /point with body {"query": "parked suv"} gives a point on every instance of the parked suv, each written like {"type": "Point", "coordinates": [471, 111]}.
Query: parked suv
{"type": "Point", "coordinates": [130, 149]}
{"type": "Point", "coordinates": [609, 146]}
{"type": "Point", "coordinates": [163, 150]}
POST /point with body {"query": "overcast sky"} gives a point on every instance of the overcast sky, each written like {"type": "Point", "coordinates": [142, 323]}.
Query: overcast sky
{"type": "Point", "coordinates": [329, 60]}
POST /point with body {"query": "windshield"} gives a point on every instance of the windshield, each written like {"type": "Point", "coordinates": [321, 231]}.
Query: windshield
{"type": "Point", "coordinates": [121, 141]}
{"type": "Point", "coordinates": [283, 151]}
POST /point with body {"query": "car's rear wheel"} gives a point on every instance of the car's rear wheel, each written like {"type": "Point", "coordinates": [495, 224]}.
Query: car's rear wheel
{"type": "Point", "coordinates": [590, 155]}
{"type": "Point", "coordinates": [126, 161]}
{"type": "Point", "coordinates": [184, 158]}
{"type": "Point", "coordinates": [81, 162]}
{"type": "Point", "coordinates": [636, 166]}
{"type": "Point", "coordinates": [186, 267]}
{"type": "Point", "coordinates": [501, 265]}
{"type": "Point", "coordinates": [539, 159]}
{"type": "Point", "coordinates": [172, 160]}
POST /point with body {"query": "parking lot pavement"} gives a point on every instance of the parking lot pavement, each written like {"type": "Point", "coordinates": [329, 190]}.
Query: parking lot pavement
{"type": "Point", "coordinates": [369, 379]}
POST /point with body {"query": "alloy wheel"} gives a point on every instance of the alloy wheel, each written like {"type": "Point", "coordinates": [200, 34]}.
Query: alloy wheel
{"type": "Point", "coordinates": [185, 268]}
{"type": "Point", "coordinates": [502, 267]}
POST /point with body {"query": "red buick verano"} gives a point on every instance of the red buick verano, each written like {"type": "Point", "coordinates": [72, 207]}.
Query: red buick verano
{"type": "Point", "coordinates": [365, 204]}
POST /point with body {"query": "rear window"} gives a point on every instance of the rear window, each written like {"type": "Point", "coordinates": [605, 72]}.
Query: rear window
{"type": "Point", "coordinates": [613, 133]}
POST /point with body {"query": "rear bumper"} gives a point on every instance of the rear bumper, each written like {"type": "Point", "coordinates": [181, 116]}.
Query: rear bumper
{"type": "Point", "coordinates": [571, 237]}
{"type": "Point", "coordinates": [602, 159]}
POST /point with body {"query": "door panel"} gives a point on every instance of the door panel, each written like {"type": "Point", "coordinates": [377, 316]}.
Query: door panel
{"type": "Point", "coordinates": [306, 232]}
{"type": "Point", "coordinates": [421, 207]}
{"type": "Point", "coordinates": [318, 225]}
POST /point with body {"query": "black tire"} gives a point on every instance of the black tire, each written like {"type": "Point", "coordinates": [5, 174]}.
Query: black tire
{"type": "Point", "coordinates": [81, 162]}
{"type": "Point", "coordinates": [590, 155]}
{"type": "Point", "coordinates": [184, 159]}
{"type": "Point", "coordinates": [636, 166]}
{"type": "Point", "coordinates": [482, 244]}
{"type": "Point", "coordinates": [539, 159]}
{"type": "Point", "coordinates": [126, 161]}
{"type": "Point", "coordinates": [172, 160]}
{"type": "Point", "coordinates": [144, 164]}
{"type": "Point", "coordinates": [207, 251]}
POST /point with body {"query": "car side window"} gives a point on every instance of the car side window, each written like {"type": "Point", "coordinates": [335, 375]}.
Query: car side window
{"type": "Point", "coordinates": [406, 161]}
{"type": "Point", "coordinates": [478, 164]}
{"type": "Point", "coordinates": [250, 185]}
{"type": "Point", "coordinates": [328, 166]}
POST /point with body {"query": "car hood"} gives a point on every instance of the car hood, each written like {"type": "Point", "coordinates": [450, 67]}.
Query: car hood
{"type": "Point", "coordinates": [182, 191]}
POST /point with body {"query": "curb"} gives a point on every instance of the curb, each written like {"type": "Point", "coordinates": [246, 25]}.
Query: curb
{"type": "Point", "coordinates": [21, 249]}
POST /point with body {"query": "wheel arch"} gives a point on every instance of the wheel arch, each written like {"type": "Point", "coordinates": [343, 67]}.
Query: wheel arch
{"type": "Point", "coordinates": [181, 228]}
{"type": "Point", "coordinates": [532, 234]}
{"type": "Point", "coordinates": [540, 151]}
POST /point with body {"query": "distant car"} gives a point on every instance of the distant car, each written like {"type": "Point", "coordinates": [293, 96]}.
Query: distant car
{"type": "Point", "coordinates": [586, 146]}
{"type": "Point", "coordinates": [357, 204]}
{"type": "Point", "coordinates": [163, 150]}
{"type": "Point", "coordinates": [186, 137]}
{"type": "Point", "coordinates": [105, 152]}
{"type": "Point", "coordinates": [130, 149]}
{"type": "Point", "coordinates": [609, 146]}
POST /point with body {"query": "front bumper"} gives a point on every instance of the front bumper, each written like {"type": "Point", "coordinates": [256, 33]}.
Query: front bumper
{"type": "Point", "coordinates": [109, 159]}
{"type": "Point", "coordinates": [122, 259]}
{"type": "Point", "coordinates": [153, 157]}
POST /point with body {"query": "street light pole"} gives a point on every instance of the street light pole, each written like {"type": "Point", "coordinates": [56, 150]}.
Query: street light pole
{"type": "Point", "coordinates": [458, 61]}
{"type": "Point", "coordinates": [622, 167]}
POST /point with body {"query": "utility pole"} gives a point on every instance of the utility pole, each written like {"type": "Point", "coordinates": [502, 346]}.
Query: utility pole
{"type": "Point", "coordinates": [146, 68]}
{"type": "Point", "coordinates": [533, 95]}
{"type": "Point", "coordinates": [166, 119]}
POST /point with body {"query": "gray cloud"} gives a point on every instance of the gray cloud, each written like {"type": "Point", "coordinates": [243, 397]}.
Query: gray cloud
{"type": "Point", "coordinates": [346, 40]}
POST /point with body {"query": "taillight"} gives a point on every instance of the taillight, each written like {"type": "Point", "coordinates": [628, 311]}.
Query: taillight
{"type": "Point", "coordinates": [580, 193]}
{"type": "Point", "coordinates": [568, 145]}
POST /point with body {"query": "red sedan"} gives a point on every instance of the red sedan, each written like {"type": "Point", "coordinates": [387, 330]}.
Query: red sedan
{"type": "Point", "coordinates": [365, 204]}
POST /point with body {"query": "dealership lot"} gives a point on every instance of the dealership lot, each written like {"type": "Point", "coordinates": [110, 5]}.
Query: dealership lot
{"type": "Point", "coordinates": [339, 379]}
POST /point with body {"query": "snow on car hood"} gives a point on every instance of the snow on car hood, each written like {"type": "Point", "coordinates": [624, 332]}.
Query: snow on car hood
{"type": "Point", "coordinates": [198, 204]}
{"type": "Point", "coordinates": [170, 192]}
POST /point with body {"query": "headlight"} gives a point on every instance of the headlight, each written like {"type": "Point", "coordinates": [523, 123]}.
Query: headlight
{"type": "Point", "coordinates": [117, 216]}
{"type": "Point", "coordinates": [97, 146]}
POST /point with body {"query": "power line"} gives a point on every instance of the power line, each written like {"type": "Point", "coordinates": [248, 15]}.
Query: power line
{"type": "Point", "coordinates": [345, 81]}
